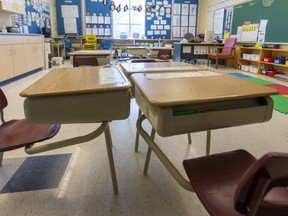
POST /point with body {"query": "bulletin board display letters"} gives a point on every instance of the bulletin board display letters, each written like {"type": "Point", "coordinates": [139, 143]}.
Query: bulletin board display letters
{"type": "Point", "coordinates": [185, 13]}
{"type": "Point", "coordinates": [37, 16]}
{"type": "Point", "coordinates": [98, 18]}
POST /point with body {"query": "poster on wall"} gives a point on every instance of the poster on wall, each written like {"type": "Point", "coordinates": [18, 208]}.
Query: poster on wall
{"type": "Point", "coordinates": [218, 22]}
{"type": "Point", "coordinates": [37, 16]}
{"type": "Point", "coordinates": [184, 18]}
{"type": "Point", "coordinates": [158, 19]}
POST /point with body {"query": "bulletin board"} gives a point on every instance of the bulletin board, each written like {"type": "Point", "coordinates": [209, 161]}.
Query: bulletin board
{"type": "Point", "coordinates": [69, 17]}
{"type": "Point", "coordinates": [37, 16]}
{"type": "Point", "coordinates": [185, 13]}
{"type": "Point", "coordinates": [228, 23]}
{"type": "Point", "coordinates": [158, 19]}
{"type": "Point", "coordinates": [98, 18]}
{"type": "Point", "coordinates": [218, 22]}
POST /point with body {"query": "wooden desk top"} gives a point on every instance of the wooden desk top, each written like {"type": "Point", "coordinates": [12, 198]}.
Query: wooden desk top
{"type": "Point", "coordinates": [159, 67]}
{"type": "Point", "coordinates": [92, 52]}
{"type": "Point", "coordinates": [203, 44]}
{"type": "Point", "coordinates": [192, 90]}
{"type": "Point", "coordinates": [67, 81]}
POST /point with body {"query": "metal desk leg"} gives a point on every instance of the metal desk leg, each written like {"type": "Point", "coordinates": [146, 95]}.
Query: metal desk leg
{"type": "Point", "coordinates": [162, 157]}
{"type": "Point", "coordinates": [110, 157]}
{"type": "Point", "coordinates": [137, 134]}
{"type": "Point", "coordinates": [148, 155]}
{"type": "Point", "coordinates": [104, 127]}
{"type": "Point", "coordinates": [1, 158]}
{"type": "Point", "coordinates": [189, 138]}
{"type": "Point", "coordinates": [208, 142]}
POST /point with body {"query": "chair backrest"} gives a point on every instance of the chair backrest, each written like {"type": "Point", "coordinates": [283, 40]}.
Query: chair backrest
{"type": "Point", "coordinates": [164, 54]}
{"type": "Point", "coordinates": [91, 38]}
{"type": "Point", "coordinates": [3, 100]}
{"type": "Point", "coordinates": [228, 46]}
{"type": "Point", "coordinates": [269, 171]}
{"type": "Point", "coordinates": [85, 61]}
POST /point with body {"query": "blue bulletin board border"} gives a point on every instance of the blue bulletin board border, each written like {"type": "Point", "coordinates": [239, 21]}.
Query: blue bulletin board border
{"type": "Point", "coordinates": [60, 19]}
{"type": "Point", "coordinates": [37, 16]}
{"type": "Point", "coordinates": [95, 9]}
{"type": "Point", "coordinates": [179, 29]}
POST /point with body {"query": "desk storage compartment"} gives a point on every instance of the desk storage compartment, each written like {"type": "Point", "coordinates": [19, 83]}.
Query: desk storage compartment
{"type": "Point", "coordinates": [81, 108]}
{"type": "Point", "coordinates": [169, 121]}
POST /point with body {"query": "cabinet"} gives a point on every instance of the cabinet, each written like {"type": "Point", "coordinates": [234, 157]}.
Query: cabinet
{"type": "Point", "coordinates": [14, 6]}
{"type": "Point", "coordinates": [19, 56]}
{"type": "Point", "coordinates": [251, 59]}
{"type": "Point", "coordinates": [12, 62]}
{"type": "Point", "coordinates": [34, 52]}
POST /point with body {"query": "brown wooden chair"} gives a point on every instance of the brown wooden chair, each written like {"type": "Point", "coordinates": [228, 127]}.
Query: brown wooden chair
{"type": "Point", "coordinates": [228, 52]}
{"type": "Point", "coordinates": [164, 54]}
{"type": "Point", "coordinates": [85, 61]}
{"type": "Point", "coordinates": [19, 133]}
{"type": "Point", "coordinates": [236, 183]}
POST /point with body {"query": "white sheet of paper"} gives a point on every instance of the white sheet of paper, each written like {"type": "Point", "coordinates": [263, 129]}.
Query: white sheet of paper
{"type": "Point", "coordinates": [88, 19]}
{"type": "Point", "coordinates": [184, 20]}
{"type": "Point", "coordinates": [95, 31]}
{"type": "Point", "coordinates": [100, 19]}
{"type": "Point", "coordinates": [69, 11]}
{"type": "Point", "coordinates": [185, 9]}
{"type": "Point", "coordinates": [94, 19]}
{"type": "Point", "coordinates": [107, 32]}
{"type": "Point", "coordinates": [192, 20]}
{"type": "Point", "coordinates": [101, 31]}
{"type": "Point", "coordinates": [163, 32]}
{"type": "Point", "coordinates": [186, 49]}
{"type": "Point", "coordinates": [88, 31]}
{"type": "Point", "coordinates": [193, 9]}
{"type": "Point", "coordinates": [107, 20]}
{"type": "Point", "coordinates": [176, 9]}
{"type": "Point", "coordinates": [167, 27]}
{"type": "Point", "coordinates": [70, 25]}
{"type": "Point", "coordinates": [176, 20]}
{"type": "Point", "coordinates": [176, 31]}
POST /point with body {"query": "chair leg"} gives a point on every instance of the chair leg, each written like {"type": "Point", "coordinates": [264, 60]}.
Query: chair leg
{"type": "Point", "coordinates": [148, 155]}
{"type": "Point", "coordinates": [110, 157]}
{"type": "Point", "coordinates": [137, 134]}
{"type": "Point", "coordinates": [1, 158]}
{"type": "Point", "coordinates": [216, 66]}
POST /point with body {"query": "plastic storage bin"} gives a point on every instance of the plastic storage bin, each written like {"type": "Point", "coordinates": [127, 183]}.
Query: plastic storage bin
{"type": "Point", "coordinates": [247, 56]}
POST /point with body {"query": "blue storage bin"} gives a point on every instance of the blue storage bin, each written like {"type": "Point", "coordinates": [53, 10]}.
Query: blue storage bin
{"type": "Point", "coordinates": [279, 60]}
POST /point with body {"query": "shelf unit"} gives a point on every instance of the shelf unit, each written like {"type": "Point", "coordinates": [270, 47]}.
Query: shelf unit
{"type": "Point", "coordinates": [262, 53]}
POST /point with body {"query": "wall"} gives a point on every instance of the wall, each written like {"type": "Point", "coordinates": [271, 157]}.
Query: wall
{"type": "Point", "coordinates": [5, 19]}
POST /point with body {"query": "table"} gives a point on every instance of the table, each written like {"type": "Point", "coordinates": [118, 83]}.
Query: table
{"type": "Point", "coordinates": [103, 56]}
{"type": "Point", "coordinates": [58, 45]}
{"type": "Point", "coordinates": [79, 95]}
{"type": "Point", "coordinates": [178, 105]}
{"type": "Point", "coordinates": [188, 51]}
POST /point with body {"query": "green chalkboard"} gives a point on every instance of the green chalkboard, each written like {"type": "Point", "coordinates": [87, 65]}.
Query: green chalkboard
{"type": "Point", "coordinates": [275, 11]}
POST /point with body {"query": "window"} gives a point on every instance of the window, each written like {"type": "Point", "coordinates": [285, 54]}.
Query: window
{"type": "Point", "coordinates": [131, 23]}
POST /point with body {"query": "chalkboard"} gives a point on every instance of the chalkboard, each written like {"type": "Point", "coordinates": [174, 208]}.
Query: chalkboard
{"type": "Point", "coordinates": [275, 11]}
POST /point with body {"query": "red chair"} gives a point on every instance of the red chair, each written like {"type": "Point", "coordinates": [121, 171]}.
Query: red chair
{"type": "Point", "coordinates": [228, 52]}
{"type": "Point", "coordinates": [85, 61]}
{"type": "Point", "coordinates": [16, 134]}
{"type": "Point", "coordinates": [235, 183]}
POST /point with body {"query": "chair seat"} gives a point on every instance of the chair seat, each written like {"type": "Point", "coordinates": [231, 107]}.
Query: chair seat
{"type": "Point", "coordinates": [203, 172]}
{"type": "Point", "coordinates": [215, 179]}
{"type": "Point", "coordinates": [19, 133]}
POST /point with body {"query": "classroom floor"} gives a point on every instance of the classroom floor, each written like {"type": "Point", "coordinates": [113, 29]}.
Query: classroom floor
{"type": "Point", "coordinates": [76, 180]}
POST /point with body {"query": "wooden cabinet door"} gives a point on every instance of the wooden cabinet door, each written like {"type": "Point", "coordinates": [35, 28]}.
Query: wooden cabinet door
{"type": "Point", "coordinates": [29, 50]}
{"type": "Point", "coordinates": [18, 52]}
{"type": "Point", "coordinates": [6, 63]}
{"type": "Point", "coordinates": [39, 55]}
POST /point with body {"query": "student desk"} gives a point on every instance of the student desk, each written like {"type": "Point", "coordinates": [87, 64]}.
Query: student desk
{"type": "Point", "coordinates": [153, 51]}
{"type": "Point", "coordinates": [197, 103]}
{"type": "Point", "coordinates": [137, 51]}
{"type": "Point", "coordinates": [103, 56]}
{"type": "Point", "coordinates": [163, 67]}
{"type": "Point", "coordinates": [159, 67]}
{"type": "Point", "coordinates": [79, 95]}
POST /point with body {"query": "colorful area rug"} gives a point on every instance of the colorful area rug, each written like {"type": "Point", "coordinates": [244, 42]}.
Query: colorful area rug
{"type": "Point", "coordinates": [280, 100]}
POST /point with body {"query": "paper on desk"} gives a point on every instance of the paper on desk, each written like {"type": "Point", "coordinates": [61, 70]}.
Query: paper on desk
{"type": "Point", "coordinates": [181, 74]}
{"type": "Point", "coordinates": [109, 76]}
